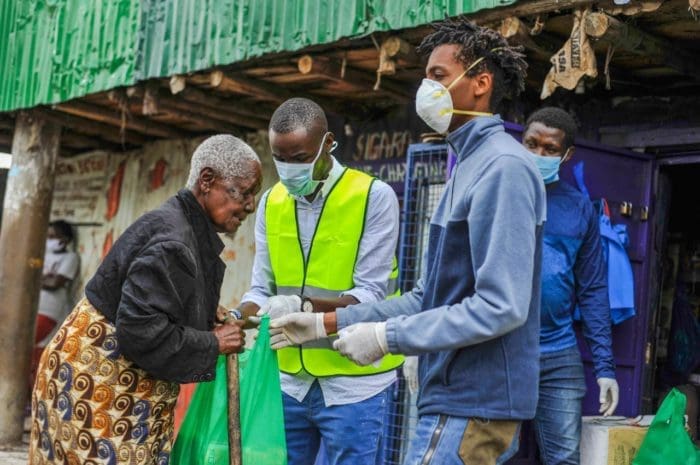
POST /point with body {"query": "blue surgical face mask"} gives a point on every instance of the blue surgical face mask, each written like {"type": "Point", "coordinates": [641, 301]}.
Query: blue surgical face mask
{"type": "Point", "coordinates": [549, 168]}
{"type": "Point", "coordinates": [298, 178]}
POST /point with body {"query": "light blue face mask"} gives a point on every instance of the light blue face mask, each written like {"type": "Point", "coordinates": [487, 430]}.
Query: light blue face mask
{"type": "Point", "coordinates": [549, 168]}
{"type": "Point", "coordinates": [298, 178]}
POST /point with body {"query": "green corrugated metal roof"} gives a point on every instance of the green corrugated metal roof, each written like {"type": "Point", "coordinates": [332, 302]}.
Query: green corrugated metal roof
{"type": "Point", "coordinates": [61, 49]}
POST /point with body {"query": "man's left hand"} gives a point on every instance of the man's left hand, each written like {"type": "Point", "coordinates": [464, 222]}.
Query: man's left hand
{"type": "Point", "coordinates": [363, 343]}
{"type": "Point", "coordinates": [609, 395]}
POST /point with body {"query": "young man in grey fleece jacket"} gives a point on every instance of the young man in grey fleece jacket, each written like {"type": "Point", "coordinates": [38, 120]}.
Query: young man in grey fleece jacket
{"type": "Point", "coordinates": [473, 318]}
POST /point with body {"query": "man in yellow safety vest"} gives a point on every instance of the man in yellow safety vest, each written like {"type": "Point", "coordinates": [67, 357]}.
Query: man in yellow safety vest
{"type": "Point", "coordinates": [325, 238]}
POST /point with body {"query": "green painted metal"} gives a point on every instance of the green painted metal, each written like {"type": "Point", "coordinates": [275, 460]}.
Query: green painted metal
{"type": "Point", "coordinates": [56, 50]}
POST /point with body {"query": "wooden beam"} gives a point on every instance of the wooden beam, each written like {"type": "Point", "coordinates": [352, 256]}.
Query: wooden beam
{"type": "Point", "coordinates": [150, 98]}
{"type": "Point", "coordinates": [113, 117]}
{"type": "Point", "coordinates": [209, 124]}
{"type": "Point", "coordinates": [625, 37]}
{"type": "Point", "coordinates": [80, 141]}
{"type": "Point", "coordinates": [177, 83]}
{"type": "Point", "coordinates": [6, 141]}
{"type": "Point", "coordinates": [105, 132]}
{"type": "Point", "coordinates": [262, 90]}
{"type": "Point", "coordinates": [7, 124]}
{"type": "Point", "coordinates": [517, 33]}
{"type": "Point", "coordinates": [256, 88]}
{"type": "Point", "coordinates": [398, 49]}
{"type": "Point", "coordinates": [259, 111]}
{"type": "Point", "coordinates": [326, 68]}
{"type": "Point", "coordinates": [214, 118]}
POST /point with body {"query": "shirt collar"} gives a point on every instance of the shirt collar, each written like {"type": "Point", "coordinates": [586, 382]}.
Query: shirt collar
{"type": "Point", "coordinates": [333, 176]}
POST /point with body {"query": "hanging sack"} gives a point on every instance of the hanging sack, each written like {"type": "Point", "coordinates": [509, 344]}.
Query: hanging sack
{"type": "Point", "coordinates": [203, 436]}
{"type": "Point", "coordinates": [667, 441]}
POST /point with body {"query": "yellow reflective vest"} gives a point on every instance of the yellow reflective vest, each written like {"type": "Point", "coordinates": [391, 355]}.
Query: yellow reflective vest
{"type": "Point", "coordinates": [328, 270]}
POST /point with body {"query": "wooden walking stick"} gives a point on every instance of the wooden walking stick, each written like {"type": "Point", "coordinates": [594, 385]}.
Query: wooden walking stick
{"type": "Point", "coordinates": [234, 411]}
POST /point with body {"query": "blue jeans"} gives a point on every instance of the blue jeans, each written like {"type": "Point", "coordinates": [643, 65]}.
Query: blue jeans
{"type": "Point", "coordinates": [445, 440]}
{"type": "Point", "coordinates": [352, 433]}
{"type": "Point", "coordinates": [558, 419]}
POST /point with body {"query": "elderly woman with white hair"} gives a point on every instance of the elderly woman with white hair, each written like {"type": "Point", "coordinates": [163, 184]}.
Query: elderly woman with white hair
{"type": "Point", "coordinates": [108, 381]}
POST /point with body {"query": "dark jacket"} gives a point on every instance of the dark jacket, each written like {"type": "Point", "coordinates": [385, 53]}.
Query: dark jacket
{"type": "Point", "coordinates": [160, 285]}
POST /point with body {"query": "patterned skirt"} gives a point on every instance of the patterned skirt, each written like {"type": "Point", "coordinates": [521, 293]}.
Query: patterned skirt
{"type": "Point", "coordinates": [91, 405]}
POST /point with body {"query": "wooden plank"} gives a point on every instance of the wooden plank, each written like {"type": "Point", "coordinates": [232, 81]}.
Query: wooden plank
{"type": "Point", "coordinates": [75, 140]}
{"type": "Point", "coordinates": [210, 117]}
{"type": "Point", "coordinates": [113, 117]}
{"type": "Point", "coordinates": [257, 110]}
{"type": "Point", "coordinates": [238, 83]}
{"type": "Point", "coordinates": [106, 132]}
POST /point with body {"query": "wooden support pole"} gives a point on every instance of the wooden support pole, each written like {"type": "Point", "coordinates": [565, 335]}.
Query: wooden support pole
{"type": "Point", "coordinates": [22, 239]}
{"type": "Point", "coordinates": [628, 38]}
{"type": "Point", "coordinates": [112, 116]}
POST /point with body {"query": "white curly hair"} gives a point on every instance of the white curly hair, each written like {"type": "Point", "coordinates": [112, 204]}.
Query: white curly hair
{"type": "Point", "coordinates": [227, 155]}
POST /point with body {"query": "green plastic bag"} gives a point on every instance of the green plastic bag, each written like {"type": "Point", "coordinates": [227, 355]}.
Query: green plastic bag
{"type": "Point", "coordinates": [203, 437]}
{"type": "Point", "coordinates": [667, 441]}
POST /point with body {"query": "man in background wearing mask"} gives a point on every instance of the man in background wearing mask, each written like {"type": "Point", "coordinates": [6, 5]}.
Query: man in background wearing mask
{"type": "Point", "coordinates": [473, 317]}
{"type": "Point", "coordinates": [60, 269]}
{"type": "Point", "coordinates": [325, 238]}
{"type": "Point", "coordinates": [573, 274]}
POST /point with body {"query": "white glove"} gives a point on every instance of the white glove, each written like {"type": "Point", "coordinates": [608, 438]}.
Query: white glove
{"type": "Point", "coordinates": [410, 372]}
{"type": "Point", "coordinates": [609, 395]}
{"type": "Point", "coordinates": [280, 305]}
{"type": "Point", "coordinates": [296, 328]}
{"type": "Point", "coordinates": [363, 343]}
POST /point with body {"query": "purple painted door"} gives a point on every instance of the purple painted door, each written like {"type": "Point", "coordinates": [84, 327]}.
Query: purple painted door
{"type": "Point", "coordinates": [620, 176]}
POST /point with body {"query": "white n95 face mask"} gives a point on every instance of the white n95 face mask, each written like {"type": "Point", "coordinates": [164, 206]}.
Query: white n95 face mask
{"type": "Point", "coordinates": [298, 178]}
{"type": "Point", "coordinates": [434, 102]}
{"type": "Point", "coordinates": [54, 245]}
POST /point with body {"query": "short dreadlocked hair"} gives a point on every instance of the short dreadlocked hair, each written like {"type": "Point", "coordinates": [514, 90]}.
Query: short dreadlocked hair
{"type": "Point", "coordinates": [556, 118]}
{"type": "Point", "coordinates": [505, 62]}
